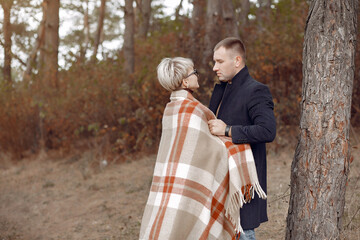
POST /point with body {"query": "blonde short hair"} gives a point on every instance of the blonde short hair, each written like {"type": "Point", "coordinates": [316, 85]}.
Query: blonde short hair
{"type": "Point", "coordinates": [171, 71]}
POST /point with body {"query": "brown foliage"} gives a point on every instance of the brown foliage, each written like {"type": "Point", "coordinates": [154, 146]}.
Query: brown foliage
{"type": "Point", "coordinates": [275, 58]}
{"type": "Point", "coordinates": [95, 101]}
{"type": "Point", "coordinates": [18, 122]}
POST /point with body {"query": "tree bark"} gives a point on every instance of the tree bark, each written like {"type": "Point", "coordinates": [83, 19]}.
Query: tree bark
{"type": "Point", "coordinates": [144, 18]}
{"type": "Point", "coordinates": [39, 42]}
{"type": "Point", "coordinates": [244, 13]}
{"type": "Point", "coordinates": [6, 5]}
{"type": "Point", "coordinates": [84, 47]}
{"type": "Point", "coordinates": [263, 12]}
{"type": "Point", "coordinates": [197, 32]}
{"type": "Point", "coordinates": [99, 27]}
{"type": "Point", "coordinates": [265, 4]}
{"type": "Point", "coordinates": [212, 29]}
{"type": "Point", "coordinates": [128, 47]}
{"type": "Point", "coordinates": [50, 49]}
{"type": "Point", "coordinates": [321, 163]}
{"type": "Point", "coordinates": [230, 25]}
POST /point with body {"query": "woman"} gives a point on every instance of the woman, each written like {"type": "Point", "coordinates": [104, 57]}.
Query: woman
{"type": "Point", "coordinates": [200, 181]}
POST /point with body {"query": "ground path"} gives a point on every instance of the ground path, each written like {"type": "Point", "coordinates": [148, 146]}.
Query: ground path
{"type": "Point", "coordinates": [77, 197]}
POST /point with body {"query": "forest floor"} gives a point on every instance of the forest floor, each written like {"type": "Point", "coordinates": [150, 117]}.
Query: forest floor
{"type": "Point", "coordinates": [78, 197]}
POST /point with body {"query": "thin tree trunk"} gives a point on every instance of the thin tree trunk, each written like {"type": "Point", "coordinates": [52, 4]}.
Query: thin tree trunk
{"type": "Point", "coordinates": [86, 30]}
{"type": "Point", "coordinates": [230, 25]}
{"type": "Point", "coordinates": [212, 29]}
{"type": "Point", "coordinates": [6, 5]}
{"type": "Point", "coordinates": [14, 56]}
{"type": "Point", "coordinates": [39, 42]}
{"type": "Point", "coordinates": [99, 28]}
{"type": "Point", "coordinates": [321, 163]}
{"type": "Point", "coordinates": [128, 47]}
{"type": "Point", "coordinates": [244, 13]}
{"type": "Point", "coordinates": [265, 4]}
{"type": "Point", "coordinates": [197, 32]}
{"type": "Point", "coordinates": [49, 52]}
{"type": "Point", "coordinates": [144, 18]}
{"type": "Point", "coordinates": [263, 12]}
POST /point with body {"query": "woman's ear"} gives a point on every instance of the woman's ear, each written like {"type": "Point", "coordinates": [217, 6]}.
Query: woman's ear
{"type": "Point", "coordinates": [185, 83]}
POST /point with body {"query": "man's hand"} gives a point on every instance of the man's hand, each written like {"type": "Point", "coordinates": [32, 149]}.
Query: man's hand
{"type": "Point", "coordinates": [217, 127]}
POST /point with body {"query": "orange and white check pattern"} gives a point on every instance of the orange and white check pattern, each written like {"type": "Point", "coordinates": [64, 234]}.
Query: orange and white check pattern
{"type": "Point", "coordinates": [200, 181]}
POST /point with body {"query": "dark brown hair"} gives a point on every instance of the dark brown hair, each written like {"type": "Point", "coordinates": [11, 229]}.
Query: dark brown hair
{"type": "Point", "coordinates": [234, 44]}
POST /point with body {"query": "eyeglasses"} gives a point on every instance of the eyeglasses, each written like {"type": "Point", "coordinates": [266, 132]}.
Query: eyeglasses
{"type": "Point", "coordinates": [193, 72]}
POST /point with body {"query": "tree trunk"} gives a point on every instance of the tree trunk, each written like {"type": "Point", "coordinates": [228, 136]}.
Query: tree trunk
{"type": "Point", "coordinates": [212, 29]}
{"type": "Point", "coordinates": [49, 52]}
{"type": "Point", "coordinates": [244, 13]}
{"type": "Point", "coordinates": [263, 12]}
{"type": "Point", "coordinates": [86, 30]}
{"type": "Point", "coordinates": [39, 42]}
{"type": "Point", "coordinates": [321, 163]}
{"type": "Point", "coordinates": [144, 18]}
{"type": "Point", "coordinates": [128, 47]}
{"type": "Point", "coordinates": [265, 4]}
{"type": "Point", "coordinates": [99, 27]}
{"type": "Point", "coordinates": [230, 25]}
{"type": "Point", "coordinates": [6, 5]}
{"type": "Point", "coordinates": [197, 31]}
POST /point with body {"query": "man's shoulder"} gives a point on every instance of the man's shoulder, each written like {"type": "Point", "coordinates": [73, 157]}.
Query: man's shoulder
{"type": "Point", "coordinates": [253, 84]}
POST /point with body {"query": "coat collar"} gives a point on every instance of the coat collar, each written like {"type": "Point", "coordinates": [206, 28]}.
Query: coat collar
{"type": "Point", "coordinates": [240, 78]}
{"type": "Point", "coordinates": [236, 82]}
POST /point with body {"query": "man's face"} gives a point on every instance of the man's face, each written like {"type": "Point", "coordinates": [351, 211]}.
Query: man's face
{"type": "Point", "coordinates": [225, 64]}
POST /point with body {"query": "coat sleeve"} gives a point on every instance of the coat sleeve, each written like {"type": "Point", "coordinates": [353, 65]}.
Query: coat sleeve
{"type": "Point", "coordinates": [261, 112]}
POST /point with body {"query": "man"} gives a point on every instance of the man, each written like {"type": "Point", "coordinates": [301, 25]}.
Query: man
{"type": "Point", "coordinates": [244, 109]}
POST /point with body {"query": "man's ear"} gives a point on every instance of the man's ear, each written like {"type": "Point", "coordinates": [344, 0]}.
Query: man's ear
{"type": "Point", "coordinates": [238, 61]}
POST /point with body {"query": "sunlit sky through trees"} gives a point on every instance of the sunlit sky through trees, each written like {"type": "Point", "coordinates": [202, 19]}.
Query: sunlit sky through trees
{"type": "Point", "coordinates": [71, 20]}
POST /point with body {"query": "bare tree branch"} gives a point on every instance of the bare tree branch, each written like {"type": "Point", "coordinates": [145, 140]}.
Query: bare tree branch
{"type": "Point", "coordinates": [38, 44]}
{"type": "Point", "coordinates": [177, 11]}
{"type": "Point", "coordinates": [14, 55]}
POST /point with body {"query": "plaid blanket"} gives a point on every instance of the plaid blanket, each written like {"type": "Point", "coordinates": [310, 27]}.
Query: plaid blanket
{"type": "Point", "coordinates": [200, 181]}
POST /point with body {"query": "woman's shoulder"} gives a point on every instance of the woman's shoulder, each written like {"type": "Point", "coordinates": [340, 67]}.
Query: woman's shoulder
{"type": "Point", "coordinates": [208, 114]}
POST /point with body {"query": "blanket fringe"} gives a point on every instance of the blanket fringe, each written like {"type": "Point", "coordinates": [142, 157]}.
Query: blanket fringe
{"type": "Point", "coordinates": [237, 201]}
{"type": "Point", "coordinates": [259, 191]}
{"type": "Point", "coordinates": [236, 223]}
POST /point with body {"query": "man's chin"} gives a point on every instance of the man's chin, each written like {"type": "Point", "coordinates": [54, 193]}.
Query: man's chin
{"type": "Point", "coordinates": [222, 79]}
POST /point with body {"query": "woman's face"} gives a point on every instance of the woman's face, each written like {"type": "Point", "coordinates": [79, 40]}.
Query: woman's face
{"type": "Point", "coordinates": [191, 81]}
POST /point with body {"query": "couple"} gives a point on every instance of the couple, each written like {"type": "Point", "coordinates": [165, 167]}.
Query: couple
{"type": "Point", "coordinates": [211, 161]}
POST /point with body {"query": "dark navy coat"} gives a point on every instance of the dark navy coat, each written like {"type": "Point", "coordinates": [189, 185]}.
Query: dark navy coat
{"type": "Point", "coordinates": [248, 107]}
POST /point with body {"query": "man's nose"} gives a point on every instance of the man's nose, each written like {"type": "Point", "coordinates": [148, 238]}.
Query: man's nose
{"type": "Point", "coordinates": [215, 68]}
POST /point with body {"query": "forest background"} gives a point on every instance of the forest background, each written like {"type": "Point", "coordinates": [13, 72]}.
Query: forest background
{"type": "Point", "coordinates": [80, 101]}
{"type": "Point", "coordinates": [112, 95]}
